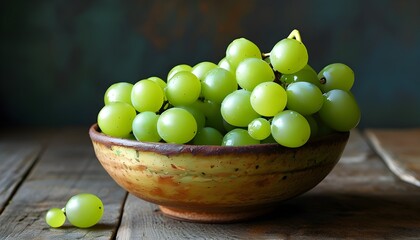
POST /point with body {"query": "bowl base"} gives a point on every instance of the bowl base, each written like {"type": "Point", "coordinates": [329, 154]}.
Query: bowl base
{"type": "Point", "coordinates": [211, 217]}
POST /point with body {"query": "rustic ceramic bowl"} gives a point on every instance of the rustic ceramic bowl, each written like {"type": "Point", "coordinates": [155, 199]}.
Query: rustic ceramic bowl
{"type": "Point", "coordinates": [216, 183]}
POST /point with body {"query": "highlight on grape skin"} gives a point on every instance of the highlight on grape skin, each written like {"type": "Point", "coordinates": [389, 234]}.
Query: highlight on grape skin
{"type": "Point", "coordinates": [222, 99]}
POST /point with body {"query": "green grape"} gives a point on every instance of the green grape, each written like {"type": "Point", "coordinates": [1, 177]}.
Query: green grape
{"type": "Point", "coordinates": [55, 217]}
{"type": "Point", "coordinates": [253, 71]}
{"type": "Point", "coordinates": [131, 136]}
{"type": "Point", "coordinates": [201, 69]}
{"type": "Point", "coordinates": [307, 74]}
{"type": "Point", "coordinates": [217, 84]}
{"type": "Point", "coordinates": [236, 108]}
{"type": "Point", "coordinates": [203, 102]}
{"type": "Point", "coordinates": [304, 98]}
{"type": "Point", "coordinates": [162, 85]}
{"type": "Point", "coordinates": [268, 99]}
{"type": "Point", "coordinates": [115, 119]}
{"type": "Point", "coordinates": [183, 89]}
{"type": "Point", "coordinates": [118, 92]}
{"type": "Point", "coordinates": [313, 124]}
{"type": "Point", "coordinates": [240, 49]}
{"type": "Point", "coordinates": [212, 113]}
{"type": "Point", "coordinates": [290, 129]}
{"type": "Point", "coordinates": [228, 127]}
{"type": "Point", "coordinates": [323, 129]}
{"type": "Point", "coordinates": [340, 110]}
{"type": "Point", "coordinates": [208, 136]}
{"type": "Point", "coordinates": [336, 76]}
{"type": "Point", "coordinates": [259, 128]}
{"type": "Point", "coordinates": [159, 81]}
{"type": "Point", "coordinates": [176, 125]}
{"type": "Point", "coordinates": [178, 68]}
{"type": "Point", "coordinates": [197, 113]}
{"type": "Point", "coordinates": [84, 210]}
{"type": "Point", "coordinates": [145, 127]}
{"type": "Point", "coordinates": [224, 63]}
{"type": "Point", "coordinates": [289, 56]}
{"type": "Point", "coordinates": [238, 137]}
{"type": "Point", "coordinates": [147, 95]}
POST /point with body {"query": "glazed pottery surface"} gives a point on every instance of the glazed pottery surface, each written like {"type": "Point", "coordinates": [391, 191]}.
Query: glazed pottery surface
{"type": "Point", "coordinates": [216, 183]}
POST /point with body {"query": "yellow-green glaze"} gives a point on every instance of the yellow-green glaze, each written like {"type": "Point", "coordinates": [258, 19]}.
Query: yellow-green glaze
{"type": "Point", "coordinates": [191, 183]}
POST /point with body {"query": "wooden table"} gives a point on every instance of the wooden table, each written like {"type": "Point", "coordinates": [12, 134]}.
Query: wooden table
{"type": "Point", "coordinates": [372, 193]}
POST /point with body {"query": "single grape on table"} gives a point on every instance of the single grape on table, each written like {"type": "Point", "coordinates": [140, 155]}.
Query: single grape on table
{"type": "Point", "coordinates": [84, 210]}
{"type": "Point", "coordinates": [55, 217]}
{"type": "Point", "coordinates": [247, 97]}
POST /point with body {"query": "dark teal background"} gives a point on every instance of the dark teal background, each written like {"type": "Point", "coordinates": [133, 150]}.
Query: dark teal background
{"type": "Point", "coordinates": [58, 57]}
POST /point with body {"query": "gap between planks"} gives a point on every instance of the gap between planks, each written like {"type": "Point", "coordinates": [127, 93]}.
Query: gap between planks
{"type": "Point", "coordinates": [67, 166]}
{"type": "Point", "coordinates": [16, 161]}
{"type": "Point", "coordinates": [359, 199]}
{"type": "Point", "coordinates": [400, 150]}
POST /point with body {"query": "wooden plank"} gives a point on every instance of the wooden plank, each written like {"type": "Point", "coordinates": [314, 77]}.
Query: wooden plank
{"type": "Point", "coordinates": [67, 167]}
{"type": "Point", "coordinates": [356, 149]}
{"type": "Point", "coordinates": [360, 199]}
{"type": "Point", "coordinates": [16, 159]}
{"type": "Point", "coordinates": [400, 149]}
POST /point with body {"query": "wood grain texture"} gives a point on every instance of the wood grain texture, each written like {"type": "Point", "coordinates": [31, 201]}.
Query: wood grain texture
{"type": "Point", "coordinates": [360, 199]}
{"type": "Point", "coordinates": [67, 167]}
{"type": "Point", "coordinates": [356, 149]}
{"type": "Point", "coordinates": [400, 149]}
{"type": "Point", "coordinates": [16, 159]}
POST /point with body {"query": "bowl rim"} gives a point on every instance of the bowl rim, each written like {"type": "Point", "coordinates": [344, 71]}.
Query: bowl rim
{"type": "Point", "coordinates": [169, 148]}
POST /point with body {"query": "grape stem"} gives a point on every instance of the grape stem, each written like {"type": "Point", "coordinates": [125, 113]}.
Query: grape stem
{"type": "Point", "coordinates": [295, 34]}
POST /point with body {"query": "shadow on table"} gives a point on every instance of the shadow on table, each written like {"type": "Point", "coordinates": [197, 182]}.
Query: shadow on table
{"type": "Point", "coordinates": [343, 215]}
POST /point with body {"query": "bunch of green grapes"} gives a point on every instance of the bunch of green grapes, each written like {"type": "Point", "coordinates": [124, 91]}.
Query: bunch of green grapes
{"type": "Point", "coordinates": [249, 97]}
{"type": "Point", "coordinates": [82, 210]}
